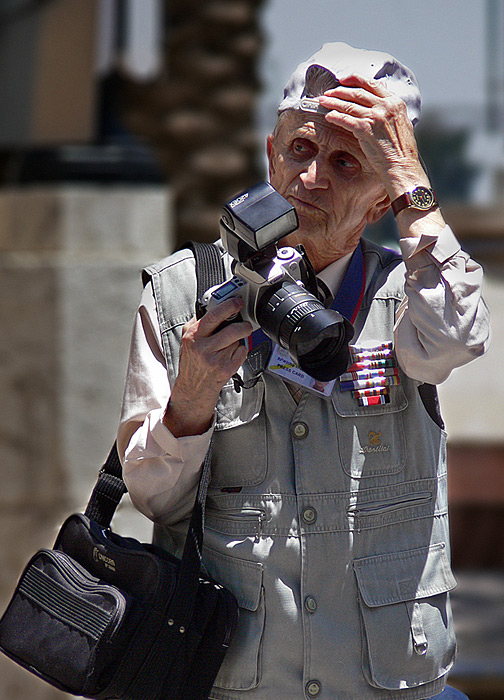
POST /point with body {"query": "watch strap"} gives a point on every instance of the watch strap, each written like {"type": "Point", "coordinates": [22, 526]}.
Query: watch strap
{"type": "Point", "coordinates": [406, 200]}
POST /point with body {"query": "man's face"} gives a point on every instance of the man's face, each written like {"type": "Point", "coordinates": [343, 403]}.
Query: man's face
{"type": "Point", "coordinates": [321, 170]}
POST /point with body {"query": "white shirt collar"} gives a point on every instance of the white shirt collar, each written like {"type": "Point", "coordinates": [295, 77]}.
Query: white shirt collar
{"type": "Point", "coordinates": [333, 274]}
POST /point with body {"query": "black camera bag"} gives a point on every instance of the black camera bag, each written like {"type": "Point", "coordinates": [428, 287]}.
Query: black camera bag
{"type": "Point", "coordinates": [106, 617]}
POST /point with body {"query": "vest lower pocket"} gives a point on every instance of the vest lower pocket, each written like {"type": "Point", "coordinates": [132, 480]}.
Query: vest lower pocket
{"type": "Point", "coordinates": [408, 637]}
{"type": "Point", "coordinates": [241, 667]}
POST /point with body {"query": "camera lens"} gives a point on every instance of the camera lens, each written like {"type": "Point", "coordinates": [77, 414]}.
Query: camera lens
{"type": "Point", "coordinates": [324, 355]}
{"type": "Point", "coordinates": [316, 338]}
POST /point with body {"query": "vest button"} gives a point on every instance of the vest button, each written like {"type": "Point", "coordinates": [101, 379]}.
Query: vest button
{"type": "Point", "coordinates": [309, 515]}
{"type": "Point", "coordinates": [313, 688]}
{"type": "Point", "coordinates": [310, 604]}
{"type": "Point", "coordinates": [300, 431]}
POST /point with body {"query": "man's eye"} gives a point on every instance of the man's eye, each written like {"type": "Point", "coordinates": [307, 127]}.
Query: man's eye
{"type": "Point", "coordinates": [346, 164]}
{"type": "Point", "coordinates": [302, 148]}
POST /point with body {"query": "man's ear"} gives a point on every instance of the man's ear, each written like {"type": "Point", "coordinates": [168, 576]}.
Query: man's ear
{"type": "Point", "coordinates": [378, 210]}
{"type": "Point", "coordinates": [269, 152]}
{"type": "Point", "coordinates": [269, 145]}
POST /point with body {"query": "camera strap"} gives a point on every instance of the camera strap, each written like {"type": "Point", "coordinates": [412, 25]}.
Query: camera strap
{"type": "Point", "coordinates": [349, 296]}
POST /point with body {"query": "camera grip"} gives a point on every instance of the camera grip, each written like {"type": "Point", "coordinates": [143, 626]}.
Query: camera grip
{"type": "Point", "coordinates": [201, 310]}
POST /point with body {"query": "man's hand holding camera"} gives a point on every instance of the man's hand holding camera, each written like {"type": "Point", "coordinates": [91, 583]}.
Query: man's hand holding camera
{"type": "Point", "coordinates": [208, 359]}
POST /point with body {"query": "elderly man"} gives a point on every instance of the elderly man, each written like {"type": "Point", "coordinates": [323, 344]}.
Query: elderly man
{"type": "Point", "coordinates": [326, 512]}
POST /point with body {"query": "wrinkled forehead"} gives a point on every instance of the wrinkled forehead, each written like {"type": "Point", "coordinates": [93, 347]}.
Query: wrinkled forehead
{"type": "Point", "coordinates": [293, 124]}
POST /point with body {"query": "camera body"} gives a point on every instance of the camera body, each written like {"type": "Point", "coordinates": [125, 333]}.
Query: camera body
{"type": "Point", "coordinates": [278, 285]}
{"type": "Point", "coordinates": [251, 283]}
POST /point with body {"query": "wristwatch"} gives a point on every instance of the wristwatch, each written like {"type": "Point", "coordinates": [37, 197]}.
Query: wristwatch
{"type": "Point", "coordinates": [422, 198]}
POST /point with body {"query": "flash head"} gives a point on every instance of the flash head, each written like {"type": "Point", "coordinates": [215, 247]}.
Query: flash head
{"type": "Point", "coordinates": [255, 219]}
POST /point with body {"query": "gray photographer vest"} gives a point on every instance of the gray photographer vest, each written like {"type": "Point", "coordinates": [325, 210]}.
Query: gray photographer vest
{"type": "Point", "coordinates": [328, 521]}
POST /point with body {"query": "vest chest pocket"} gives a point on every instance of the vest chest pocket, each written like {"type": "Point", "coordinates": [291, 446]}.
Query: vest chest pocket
{"type": "Point", "coordinates": [371, 439]}
{"type": "Point", "coordinates": [408, 637]}
{"type": "Point", "coordinates": [239, 441]}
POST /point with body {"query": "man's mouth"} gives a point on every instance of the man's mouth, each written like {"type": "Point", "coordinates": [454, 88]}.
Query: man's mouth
{"type": "Point", "coordinates": [303, 203]}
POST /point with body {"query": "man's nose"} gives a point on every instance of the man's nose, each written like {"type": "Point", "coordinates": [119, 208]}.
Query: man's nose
{"type": "Point", "coordinates": [315, 176]}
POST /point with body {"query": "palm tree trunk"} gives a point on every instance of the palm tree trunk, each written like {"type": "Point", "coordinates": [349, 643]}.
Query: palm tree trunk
{"type": "Point", "coordinates": [199, 114]}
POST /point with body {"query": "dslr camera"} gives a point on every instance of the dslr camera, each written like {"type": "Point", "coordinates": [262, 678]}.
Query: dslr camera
{"type": "Point", "coordinates": [278, 285]}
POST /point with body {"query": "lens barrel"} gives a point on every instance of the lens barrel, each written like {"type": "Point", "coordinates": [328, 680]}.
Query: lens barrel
{"type": "Point", "coordinates": [316, 338]}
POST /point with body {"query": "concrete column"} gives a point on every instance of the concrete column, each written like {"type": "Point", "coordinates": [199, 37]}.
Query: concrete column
{"type": "Point", "coordinates": [70, 261]}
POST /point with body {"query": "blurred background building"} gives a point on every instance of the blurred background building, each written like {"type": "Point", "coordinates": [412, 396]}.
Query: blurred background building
{"type": "Point", "coordinates": [124, 126]}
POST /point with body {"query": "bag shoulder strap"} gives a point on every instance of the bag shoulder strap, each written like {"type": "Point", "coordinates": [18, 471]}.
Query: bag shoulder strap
{"type": "Point", "coordinates": [110, 487]}
{"type": "Point", "coordinates": [209, 272]}
{"type": "Point", "coordinates": [209, 265]}
{"type": "Point", "coordinates": [108, 490]}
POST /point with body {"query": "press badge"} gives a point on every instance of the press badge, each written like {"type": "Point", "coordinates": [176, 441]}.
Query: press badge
{"type": "Point", "coordinates": [281, 365]}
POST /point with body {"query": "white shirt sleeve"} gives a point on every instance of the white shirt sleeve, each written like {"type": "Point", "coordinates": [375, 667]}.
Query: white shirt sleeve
{"type": "Point", "coordinates": [442, 322]}
{"type": "Point", "coordinates": [161, 472]}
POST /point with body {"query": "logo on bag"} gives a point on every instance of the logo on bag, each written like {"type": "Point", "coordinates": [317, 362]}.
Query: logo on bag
{"type": "Point", "coordinates": [374, 444]}
{"type": "Point", "coordinates": [100, 558]}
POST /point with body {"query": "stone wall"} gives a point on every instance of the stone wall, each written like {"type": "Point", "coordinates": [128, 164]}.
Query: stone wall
{"type": "Point", "coordinates": [70, 261]}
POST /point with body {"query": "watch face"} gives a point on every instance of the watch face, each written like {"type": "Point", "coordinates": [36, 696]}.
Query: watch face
{"type": "Point", "coordinates": [422, 198]}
